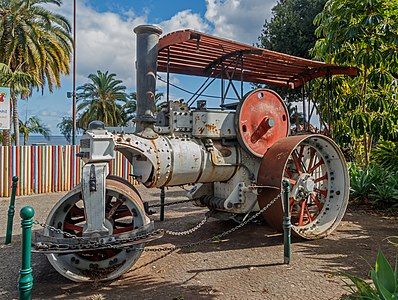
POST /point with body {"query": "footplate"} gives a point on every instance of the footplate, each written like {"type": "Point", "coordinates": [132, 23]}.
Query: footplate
{"type": "Point", "coordinates": [47, 245]}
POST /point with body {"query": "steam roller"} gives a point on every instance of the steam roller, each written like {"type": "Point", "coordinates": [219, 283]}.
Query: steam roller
{"type": "Point", "coordinates": [233, 159]}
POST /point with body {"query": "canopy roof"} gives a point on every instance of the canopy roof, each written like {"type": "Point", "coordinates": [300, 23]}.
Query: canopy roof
{"type": "Point", "coordinates": [194, 53]}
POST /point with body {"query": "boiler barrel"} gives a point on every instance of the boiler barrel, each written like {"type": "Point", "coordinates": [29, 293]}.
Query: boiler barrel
{"type": "Point", "coordinates": [167, 161]}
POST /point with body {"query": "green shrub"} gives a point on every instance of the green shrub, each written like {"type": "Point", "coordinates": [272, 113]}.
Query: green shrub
{"type": "Point", "coordinates": [362, 180]}
{"type": "Point", "coordinates": [385, 282]}
{"type": "Point", "coordinates": [386, 192]}
{"type": "Point", "coordinates": [385, 154]}
{"type": "Point", "coordinates": [374, 185]}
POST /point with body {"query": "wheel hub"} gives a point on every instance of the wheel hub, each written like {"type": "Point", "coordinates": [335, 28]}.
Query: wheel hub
{"type": "Point", "coordinates": [304, 186]}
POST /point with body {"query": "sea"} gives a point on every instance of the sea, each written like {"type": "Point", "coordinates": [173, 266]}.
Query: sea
{"type": "Point", "coordinates": [54, 140]}
{"type": "Point", "coordinates": [60, 139]}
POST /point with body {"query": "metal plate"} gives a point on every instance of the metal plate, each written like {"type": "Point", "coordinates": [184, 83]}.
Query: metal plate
{"type": "Point", "coordinates": [260, 107]}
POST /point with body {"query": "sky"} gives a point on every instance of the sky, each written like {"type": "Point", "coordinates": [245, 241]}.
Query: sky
{"type": "Point", "coordinates": [105, 41]}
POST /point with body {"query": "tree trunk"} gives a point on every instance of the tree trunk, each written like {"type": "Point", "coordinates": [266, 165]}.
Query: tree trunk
{"type": "Point", "coordinates": [6, 141]}
{"type": "Point", "coordinates": [15, 118]}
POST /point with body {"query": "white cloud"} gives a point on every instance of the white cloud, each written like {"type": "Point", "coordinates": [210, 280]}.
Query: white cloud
{"type": "Point", "coordinates": [239, 20]}
{"type": "Point", "coordinates": [183, 20]}
{"type": "Point", "coordinates": [106, 41]}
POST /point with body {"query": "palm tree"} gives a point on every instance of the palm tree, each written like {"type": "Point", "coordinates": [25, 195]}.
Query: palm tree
{"type": "Point", "coordinates": [33, 125]}
{"type": "Point", "coordinates": [34, 40]}
{"type": "Point", "coordinates": [102, 100]}
{"type": "Point", "coordinates": [18, 82]}
{"type": "Point", "coordinates": [131, 106]}
{"type": "Point", "coordinates": [66, 126]}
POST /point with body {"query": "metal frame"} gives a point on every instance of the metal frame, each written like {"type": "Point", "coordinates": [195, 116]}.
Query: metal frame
{"type": "Point", "coordinates": [231, 66]}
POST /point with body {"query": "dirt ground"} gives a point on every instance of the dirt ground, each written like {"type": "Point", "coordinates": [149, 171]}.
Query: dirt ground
{"type": "Point", "coordinates": [245, 265]}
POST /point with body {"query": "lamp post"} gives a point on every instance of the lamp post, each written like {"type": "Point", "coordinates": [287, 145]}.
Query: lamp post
{"type": "Point", "coordinates": [74, 76]}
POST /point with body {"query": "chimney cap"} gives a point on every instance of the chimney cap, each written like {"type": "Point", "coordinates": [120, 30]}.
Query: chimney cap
{"type": "Point", "coordinates": [148, 29]}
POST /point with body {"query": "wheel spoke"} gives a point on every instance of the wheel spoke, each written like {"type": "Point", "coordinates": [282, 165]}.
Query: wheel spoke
{"type": "Point", "coordinates": [292, 181]}
{"type": "Point", "coordinates": [312, 156]}
{"type": "Point", "coordinates": [301, 217]}
{"type": "Point", "coordinates": [317, 203]}
{"type": "Point", "coordinates": [291, 203]}
{"type": "Point", "coordinates": [121, 215]}
{"type": "Point", "coordinates": [322, 192]}
{"type": "Point", "coordinates": [299, 156]}
{"type": "Point", "coordinates": [317, 165]}
{"type": "Point", "coordinates": [324, 177]}
{"type": "Point", "coordinates": [297, 163]}
{"type": "Point", "coordinates": [289, 175]}
{"type": "Point", "coordinates": [69, 226]}
{"type": "Point", "coordinates": [308, 214]}
{"type": "Point", "coordinates": [122, 230]}
{"type": "Point", "coordinates": [77, 211]}
{"type": "Point", "coordinates": [76, 220]}
{"type": "Point", "coordinates": [122, 224]}
{"type": "Point", "coordinates": [115, 206]}
{"type": "Point", "coordinates": [301, 151]}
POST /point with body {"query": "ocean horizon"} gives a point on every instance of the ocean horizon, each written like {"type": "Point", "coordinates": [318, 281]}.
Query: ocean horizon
{"type": "Point", "coordinates": [52, 141]}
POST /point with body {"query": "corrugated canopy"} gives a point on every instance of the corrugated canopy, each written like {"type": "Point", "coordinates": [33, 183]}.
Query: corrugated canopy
{"type": "Point", "coordinates": [194, 53]}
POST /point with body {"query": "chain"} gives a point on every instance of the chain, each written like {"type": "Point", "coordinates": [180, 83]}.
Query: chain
{"type": "Point", "coordinates": [170, 203]}
{"type": "Point", "coordinates": [189, 231]}
{"type": "Point", "coordinates": [59, 231]}
{"type": "Point", "coordinates": [117, 244]}
{"type": "Point", "coordinates": [213, 238]}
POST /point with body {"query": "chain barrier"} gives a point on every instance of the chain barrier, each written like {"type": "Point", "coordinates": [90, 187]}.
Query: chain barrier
{"type": "Point", "coordinates": [170, 203]}
{"type": "Point", "coordinates": [189, 231]}
{"type": "Point", "coordinates": [91, 245]}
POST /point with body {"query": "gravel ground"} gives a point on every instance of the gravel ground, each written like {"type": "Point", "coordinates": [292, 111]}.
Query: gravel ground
{"type": "Point", "coordinates": [245, 265]}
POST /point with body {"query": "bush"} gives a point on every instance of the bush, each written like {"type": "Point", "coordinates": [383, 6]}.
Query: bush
{"type": "Point", "coordinates": [385, 154]}
{"type": "Point", "coordinates": [385, 282]}
{"type": "Point", "coordinates": [374, 185]}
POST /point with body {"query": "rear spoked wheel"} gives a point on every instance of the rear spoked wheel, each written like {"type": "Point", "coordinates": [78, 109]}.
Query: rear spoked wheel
{"type": "Point", "coordinates": [319, 184]}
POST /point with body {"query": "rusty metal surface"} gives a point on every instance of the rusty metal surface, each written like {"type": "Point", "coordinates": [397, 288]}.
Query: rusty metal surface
{"type": "Point", "coordinates": [259, 108]}
{"type": "Point", "coordinates": [270, 175]}
{"type": "Point", "coordinates": [213, 124]}
{"type": "Point", "coordinates": [195, 53]}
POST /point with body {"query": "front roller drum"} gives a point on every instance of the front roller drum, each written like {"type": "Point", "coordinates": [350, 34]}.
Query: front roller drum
{"type": "Point", "coordinates": [319, 184]}
{"type": "Point", "coordinates": [124, 212]}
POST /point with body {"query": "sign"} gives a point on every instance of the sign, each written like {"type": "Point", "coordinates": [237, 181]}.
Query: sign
{"type": "Point", "coordinates": [5, 113]}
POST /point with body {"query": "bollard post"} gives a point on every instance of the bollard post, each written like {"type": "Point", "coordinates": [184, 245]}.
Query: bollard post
{"type": "Point", "coordinates": [25, 282]}
{"type": "Point", "coordinates": [162, 197]}
{"type": "Point", "coordinates": [287, 225]}
{"type": "Point", "coordinates": [11, 210]}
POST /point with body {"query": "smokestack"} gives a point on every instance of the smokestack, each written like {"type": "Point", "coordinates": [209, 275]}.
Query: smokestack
{"type": "Point", "coordinates": [146, 65]}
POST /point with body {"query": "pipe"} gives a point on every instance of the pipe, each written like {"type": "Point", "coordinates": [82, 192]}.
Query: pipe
{"type": "Point", "coordinates": [146, 66]}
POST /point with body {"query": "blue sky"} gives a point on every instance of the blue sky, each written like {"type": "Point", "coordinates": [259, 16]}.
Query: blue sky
{"type": "Point", "coordinates": [105, 41]}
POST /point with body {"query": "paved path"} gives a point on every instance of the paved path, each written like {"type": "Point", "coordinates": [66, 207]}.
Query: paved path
{"type": "Point", "coordinates": [245, 265]}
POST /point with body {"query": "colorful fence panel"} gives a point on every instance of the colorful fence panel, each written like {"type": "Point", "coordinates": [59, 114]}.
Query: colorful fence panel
{"type": "Point", "coordinates": [47, 169]}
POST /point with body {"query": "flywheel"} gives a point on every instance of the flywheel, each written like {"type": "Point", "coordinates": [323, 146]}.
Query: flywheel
{"type": "Point", "coordinates": [124, 213]}
{"type": "Point", "coordinates": [319, 184]}
{"type": "Point", "coordinates": [261, 120]}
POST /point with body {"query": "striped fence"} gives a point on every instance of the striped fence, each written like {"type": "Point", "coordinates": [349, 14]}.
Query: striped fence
{"type": "Point", "coordinates": [46, 169]}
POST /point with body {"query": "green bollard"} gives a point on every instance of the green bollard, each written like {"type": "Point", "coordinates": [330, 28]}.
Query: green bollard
{"type": "Point", "coordinates": [287, 225]}
{"type": "Point", "coordinates": [11, 210]}
{"type": "Point", "coordinates": [25, 282]}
